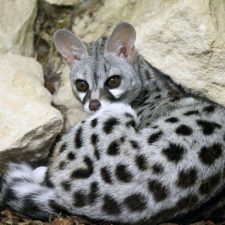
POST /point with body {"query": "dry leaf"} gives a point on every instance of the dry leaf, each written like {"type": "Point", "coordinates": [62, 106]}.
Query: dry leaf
{"type": "Point", "coordinates": [61, 221]}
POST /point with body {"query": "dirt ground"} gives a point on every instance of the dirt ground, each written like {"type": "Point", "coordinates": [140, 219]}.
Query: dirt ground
{"type": "Point", "coordinates": [9, 218]}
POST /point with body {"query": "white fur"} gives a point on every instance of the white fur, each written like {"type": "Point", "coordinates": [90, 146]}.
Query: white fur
{"type": "Point", "coordinates": [116, 92]}
{"type": "Point", "coordinates": [39, 173]}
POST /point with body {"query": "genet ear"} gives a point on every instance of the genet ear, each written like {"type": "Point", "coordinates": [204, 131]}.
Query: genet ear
{"type": "Point", "coordinates": [121, 41]}
{"type": "Point", "coordinates": [69, 46]}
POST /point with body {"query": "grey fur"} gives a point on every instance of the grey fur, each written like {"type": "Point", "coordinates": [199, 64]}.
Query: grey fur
{"type": "Point", "coordinates": [154, 153]}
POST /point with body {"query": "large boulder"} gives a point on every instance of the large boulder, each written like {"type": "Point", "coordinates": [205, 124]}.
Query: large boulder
{"type": "Point", "coordinates": [28, 122]}
{"type": "Point", "coordinates": [184, 39]}
{"type": "Point", "coordinates": [16, 26]}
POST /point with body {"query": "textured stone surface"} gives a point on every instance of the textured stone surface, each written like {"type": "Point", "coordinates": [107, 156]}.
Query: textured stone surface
{"type": "Point", "coordinates": [16, 26]}
{"type": "Point", "coordinates": [28, 122]}
{"type": "Point", "coordinates": [65, 101]}
{"type": "Point", "coordinates": [185, 39]}
{"type": "Point", "coordinates": [90, 27]}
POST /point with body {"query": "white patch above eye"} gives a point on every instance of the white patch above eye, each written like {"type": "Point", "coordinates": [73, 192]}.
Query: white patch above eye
{"type": "Point", "coordinates": [116, 92]}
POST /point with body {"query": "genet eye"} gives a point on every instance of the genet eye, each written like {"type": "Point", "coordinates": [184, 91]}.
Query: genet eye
{"type": "Point", "coordinates": [82, 85]}
{"type": "Point", "coordinates": [113, 82]}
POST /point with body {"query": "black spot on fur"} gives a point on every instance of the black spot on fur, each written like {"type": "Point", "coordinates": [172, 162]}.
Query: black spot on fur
{"type": "Point", "coordinates": [106, 176]}
{"type": "Point", "coordinates": [157, 89]}
{"type": "Point", "coordinates": [63, 147]}
{"type": "Point", "coordinates": [83, 173]}
{"type": "Point", "coordinates": [135, 202]}
{"type": "Point", "coordinates": [157, 168]}
{"type": "Point", "coordinates": [172, 120]}
{"type": "Point", "coordinates": [152, 107]}
{"type": "Point", "coordinates": [62, 165]}
{"type": "Point", "coordinates": [122, 139]}
{"type": "Point", "coordinates": [9, 195]}
{"type": "Point", "coordinates": [158, 190]}
{"type": "Point", "coordinates": [128, 115]}
{"type": "Point", "coordinates": [134, 144]}
{"type": "Point", "coordinates": [209, 154]}
{"type": "Point", "coordinates": [80, 199]}
{"type": "Point", "coordinates": [131, 123]}
{"type": "Point", "coordinates": [47, 180]}
{"type": "Point", "coordinates": [94, 123]}
{"type": "Point", "coordinates": [96, 153]}
{"type": "Point", "coordinates": [223, 173]}
{"type": "Point", "coordinates": [155, 137]}
{"type": "Point", "coordinates": [57, 208]}
{"type": "Point", "coordinates": [113, 148]}
{"type": "Point", "coordinates": [184, 130]}
{"type": "Point", "coordinates": [174, 152]}
{"type": "Point", "coordinates": [157, 97]}
{"type": "Point", "coordinates": [29, 205]}
{"type": "Point", "coordinates": [192, 112]}
{"type": "Point", "coordinates": [71, 156]}
{"type": "Point", "coordinates": [145, 92]}
{"type": "Point", "coordinates": [147, 75]}
{"type": "Point", "coordinates": [174, 99]}
{"type": "Point", "coordinates": [93, 194]}
{"type": "Point", "coordinates": [94, 139]}
{"type": "Point", "coordinates": [209, 184]}
{"type": "Point", "coordinates": [78, 138]}
{"type": "Point", "coordinates": [123, 174]}
{"type": "Point", "coordinates": [187, 202]}
{"type": "Point", "coordinates": [110, 206]}
{"type": "Point", "coordinates": [110, 124]}
{"type": "Point", "coordinates": [66, 185]}
{"type": "Point", "coordinates": [208, 127]}
{"type": "Point", "coordinates": [209, 109]}
{"type": "Point", "coordinates": [138, 114]}
{"type": "Point", "coordinates": [141, 162]}
{"type": "Point", "coordinates": [187, 178]}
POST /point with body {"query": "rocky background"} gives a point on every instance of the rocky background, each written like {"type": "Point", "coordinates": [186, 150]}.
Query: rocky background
{"type": "Point", "coordinates": [183, 38]}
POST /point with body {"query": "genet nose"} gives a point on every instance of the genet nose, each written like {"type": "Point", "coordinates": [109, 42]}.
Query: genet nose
{"type": "Point", "coordinates": [94, 105]}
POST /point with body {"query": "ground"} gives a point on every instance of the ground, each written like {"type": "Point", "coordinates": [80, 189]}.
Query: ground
{"type": "Point", "coordinates": [9, 218]}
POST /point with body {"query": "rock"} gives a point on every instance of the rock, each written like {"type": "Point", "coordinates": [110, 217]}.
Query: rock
{"type": "Point", "coordinates": [28, 122]}
{"type": "Point", "coordinates": [16, 26]}
{"type": "Point", "coordinates": [89, 27]}
{"type": "Point", "coordinates": [184, 39]}
{"type": "Point", "coordinates": [65, 101]}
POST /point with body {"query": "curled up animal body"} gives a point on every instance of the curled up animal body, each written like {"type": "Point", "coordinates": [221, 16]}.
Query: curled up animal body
{"type": "Point", "coordinates": [149, 152]}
